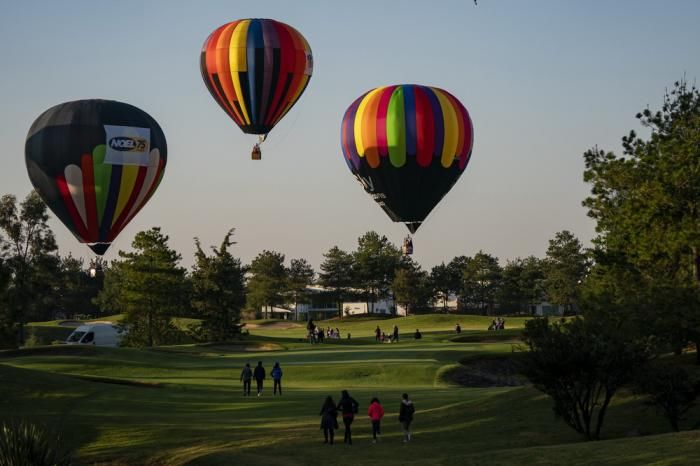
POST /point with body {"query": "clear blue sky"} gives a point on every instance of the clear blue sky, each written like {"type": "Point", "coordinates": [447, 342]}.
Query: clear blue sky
{"type": "Point", "coordinates": [543, 81]}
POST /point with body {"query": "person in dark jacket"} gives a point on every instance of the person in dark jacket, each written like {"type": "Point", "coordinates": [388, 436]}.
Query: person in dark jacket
{"type": "Point", "coordinates": [259, 376]}
{"type": "Point", "coordinates": [417, 335]}
{"type": "Point", "coordinates": [246, 376]}
{"type": "Point", "coordinates": [276, 374]}
{"type": "Point", "coordinates": [348, 407]}
{"type": "Point", "coordinates": [329, 419]}
{"type": "Point", "coordinates": [377, 334]}
{"type": "Point", "coordinates": [406, 416]}
{"type": "Point", "coordinates": [395, 334]}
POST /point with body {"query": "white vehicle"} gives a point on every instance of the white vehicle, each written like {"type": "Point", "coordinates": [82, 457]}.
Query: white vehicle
{"type": "Point", "coordinates": [99, 334]}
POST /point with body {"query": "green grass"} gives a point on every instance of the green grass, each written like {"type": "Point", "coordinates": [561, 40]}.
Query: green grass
{"type": "Point", "coordinates": [182, 404]}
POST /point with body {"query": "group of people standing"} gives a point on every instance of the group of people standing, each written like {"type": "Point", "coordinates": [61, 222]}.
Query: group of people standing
{"type": "Point", "coordinates": [318, 334]}
{"type": "Point", "coordinates": [348, 407]}
{"type": "Point", "coordinates": [498, 324]}
{"type": "Point", "coordinates": [381, 337]}
{"type": "Point", "coordinates": [259, 375]}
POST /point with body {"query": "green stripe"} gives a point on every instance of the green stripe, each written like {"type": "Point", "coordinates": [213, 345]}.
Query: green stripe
{"type": "Point", "coordinates": [103, 173]}
{"type": "Point", "coordinates": [396, 128]}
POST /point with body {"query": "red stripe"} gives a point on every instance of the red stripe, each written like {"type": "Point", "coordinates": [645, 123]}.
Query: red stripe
{"type": "Point", "coordinates": [286, 66]}
{"type": "Point", "coordinates": [151, 189]}
{"type": "Point", "coordinates": [425, 128]}
{"type": "Point", "coordinates": [298, 67]}
{"type": "Point", "coordinates": [70, 207]}
{"type": "Point", "coordinates": [90, 199]}
{"type": "Point", "coordinates": [224, 72]}
{"type": "Point", "coordinates": [382, 142]}
{"type": "Point", "coordinates": [121, 221]}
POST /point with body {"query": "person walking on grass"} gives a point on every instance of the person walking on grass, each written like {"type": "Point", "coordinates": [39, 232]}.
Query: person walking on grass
{"type": "Point", "coordinates": [259, 376]}
{"type": "Point", "coordinates": [377, 334]}
{"type": "Point", "coordinates": [348, 408]}
{"type": "Point", "coordinates": [375, 413]}
{"type": "Point", "coordinates": [276, 374]}
{"type": "Point", "coordinates": [329, 419]}
{"type": "Point", "coordinates": [406, 416]}
{"type": "Point", "coordinates": [246, 376]}
{"type": "Point", "coordinates": [395, 334]}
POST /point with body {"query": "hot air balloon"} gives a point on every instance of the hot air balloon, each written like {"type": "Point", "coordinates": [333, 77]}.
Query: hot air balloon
{"type": "Point", "coordinates": [407, 145]}
{"type": "Point", "coordinates": [256, 70]}
{"type": "Point", "coordinates": [95, 163]}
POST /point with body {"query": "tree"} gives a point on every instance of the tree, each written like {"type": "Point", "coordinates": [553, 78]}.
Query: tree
{"type": "Point", "coordinates": [337, 275]}
{"type": "Point", "coordinates": [300, 275]}
{"type": "Point", "coordinates": [565, 268]}
{"type": "Point", "coordinates": [376, 260]}
{"type": "Point", "coordinates": [28, 249]}
{"type": "Point", "coordinates": [521, 285]}
{"type": "Point", "coordinates": [77, 290]}
{"type": "Point", "coordinates": [268, 280]}
{"type": "Point", "coordinates": [646, 204]}
{"type": "Point", "coordinates": [580, 364]}
{"type": "Point", "coordinates": [218, 290]}
{"type": "Point", "coordinates": [481, 280]}
{"type": "Point", "coordinates": [411, 287]}
{"type": "Point", "coordinates": [671, 390]}
{"type": "Point", "coordinates": [441, 283]}
{"type": "Point", "coordinates": [150, 288]}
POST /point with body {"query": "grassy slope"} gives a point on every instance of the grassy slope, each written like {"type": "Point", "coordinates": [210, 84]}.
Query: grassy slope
{"type": "Point", "coordinates": [196, 414]}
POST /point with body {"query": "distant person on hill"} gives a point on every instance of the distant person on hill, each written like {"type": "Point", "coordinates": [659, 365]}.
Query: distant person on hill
{"type": "Point", "coordinates": [458, 329]}
{"type": "Point", "coordinates": [320, 336]}
{"type": "Point", "coordinates": [276, 374]}
{"type": "Point", "coordinates": [406, 416]}
{"type": "Point", "coordinates": [383, 337]}
{"type": "Point", "coordinates": [502, 324]}
{"type": "Point", "coordinates": [417, 335]}
{"type": "Point", "coordinates": [377, 334]}
{"type": "Point", "coordinates": [311, 327]}
{"type": "Point", "coordinates": [494, 325]}
{"type": "Point", "coordinates": [259, 376]}
{"type": "Point", "coordinates": [246, 376]}
{"type": "Point", "coordinates": [329, 419]}
{"type": "Point", "coordinates": [348, 407]}
{"type": "Point", "coordinates": [337, 333]}
{"type": "Point", "coordinates": [395, 335]}
{"type": "Point", "coordinates": [375, 413]}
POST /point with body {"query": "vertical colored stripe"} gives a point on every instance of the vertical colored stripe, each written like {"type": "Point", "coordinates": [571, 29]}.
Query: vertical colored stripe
{"type": "Point", "coordinates": [285, 67]}
{"type": "Point", "coordinates": [369, 127]}
{"type": "Point", "coordinates": [90, 201]}
{"type": "Point", "coordinates": [382, 108]}
{"type": "Point", "coordinates": [126, 186]}
{"type": "Point", "coordinates": [121, 220]}
{"type": "Point", "coordinates": [238, 63]}
{"type": "Point", "coordinates": [438, 123]}
{"type": "Point", "coordinates": [396, 128]}
{"type": "Point", "coordinates": [460, 123]}
{"type": "Point", "coordinates": [220, 62]}
{"type": "Point", "coordinates": [449, 149]}
{"type": "Point", "coordinates": [74, 181]}
{"type": "Point", "coordinates": [269, 36]}
{"type": "Point", "coordinates": [103, 174]}
{"type": "Point", "coordinates": [410, 120]}
{"type": "Point", "coordinates": [111, 203]}
{"type": "Point", "coordinates": [425, 131]}
{"type": "Point", "coordinates": [349, 147]}
{"type": "Point", "coordinates": [149, 179]}
{"type": "Point", "coordinates": [359, 119]}
{"type": "Point", "coordinates": [254, 45]}
{"type": "Point", "coordinates": [70, 207]}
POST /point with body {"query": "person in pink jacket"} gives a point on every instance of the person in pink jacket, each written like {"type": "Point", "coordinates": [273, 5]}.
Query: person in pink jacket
{"type": "Point", "coordinates": [375, 413]}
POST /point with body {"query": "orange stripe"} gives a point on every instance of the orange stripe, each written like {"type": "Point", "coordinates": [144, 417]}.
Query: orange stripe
{"type": "Point", "coordinates": [223, 66]}
{"type": "Point", "coordinates": [369, 129]}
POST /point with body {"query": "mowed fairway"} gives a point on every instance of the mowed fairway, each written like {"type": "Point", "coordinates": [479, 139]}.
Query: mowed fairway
{"type": "Point", "coordinates": [183, 404]}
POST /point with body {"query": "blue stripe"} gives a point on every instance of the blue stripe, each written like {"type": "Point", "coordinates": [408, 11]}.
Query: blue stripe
{"type": "Point", "coordinates": [115, 182]}
{"type": "Point", "coordinates": [439, 123]}
{"type": "Point", "coordinates": [409, 102]}
{"type": "Point", "coordinates": [253, 41]}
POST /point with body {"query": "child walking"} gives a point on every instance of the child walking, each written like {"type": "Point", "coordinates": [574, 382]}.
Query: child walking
{"type": "Point", "coordinates": [375, 413]}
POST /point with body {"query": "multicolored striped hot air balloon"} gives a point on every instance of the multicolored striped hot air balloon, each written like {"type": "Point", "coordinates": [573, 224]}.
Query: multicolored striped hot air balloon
{"type": "Point", "coordinates": [256, 70]}
{"type": "Point", "coordinates": [95, 163]}
{"type": "Point", "coordinates": [408, 145]}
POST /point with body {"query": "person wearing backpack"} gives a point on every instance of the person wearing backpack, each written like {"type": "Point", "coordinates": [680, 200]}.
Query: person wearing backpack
{"type": "Point", "coordinates": [406, 416]}
{"type": "Point", "coordinates": [276, 374]}
{"type": "Point", "coordinates": [375, 413]}
{"type": "Point", "coordinates": [259, 376]}
{"type": "Point", "coordinates": [348, 407]}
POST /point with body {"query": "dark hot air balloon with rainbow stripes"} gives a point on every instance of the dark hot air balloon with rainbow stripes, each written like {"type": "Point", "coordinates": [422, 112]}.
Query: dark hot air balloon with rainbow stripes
{"type": "Point", "coordinates": [95, 163]}
{"type": "Point", "coordinates": [407, 145]}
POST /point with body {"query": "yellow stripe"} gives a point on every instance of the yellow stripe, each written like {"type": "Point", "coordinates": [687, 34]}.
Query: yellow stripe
{"type": "Point", "coordinates": [129, 174]}
{"type": "Point", "coordinates": [449, 146]}
{"type": "Point", "coordinates": [238, 61]}
{"type": "Point", "coordinates": [358, 121]}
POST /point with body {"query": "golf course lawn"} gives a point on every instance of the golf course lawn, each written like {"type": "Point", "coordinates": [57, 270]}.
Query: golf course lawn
{"type": "Point", "coordinates": [183, 404]}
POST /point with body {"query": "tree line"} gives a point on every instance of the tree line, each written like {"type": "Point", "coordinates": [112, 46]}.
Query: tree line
{"type": "Point", "coordinates": [151, 288]}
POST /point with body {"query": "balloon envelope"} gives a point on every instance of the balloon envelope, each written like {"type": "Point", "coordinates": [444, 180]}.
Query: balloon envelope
{"type": "Point", "coordinates": [95, 163]}
{"type": "Point", "coordinates": [256, 70]}
{"type": "Point", "coordinates": [408, 145]}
